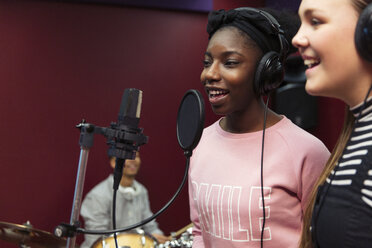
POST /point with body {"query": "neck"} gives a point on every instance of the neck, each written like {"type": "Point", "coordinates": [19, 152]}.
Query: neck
{"type": "Point", "coordinates": [126, 181]}
{"type": "Point", "coordinates": [249, 121]}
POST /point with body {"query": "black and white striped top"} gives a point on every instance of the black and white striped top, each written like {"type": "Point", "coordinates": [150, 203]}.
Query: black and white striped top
{"type": "Point", "coordinates": [342, 213]}
{"type": "Point", "coordinates": [356, 157]}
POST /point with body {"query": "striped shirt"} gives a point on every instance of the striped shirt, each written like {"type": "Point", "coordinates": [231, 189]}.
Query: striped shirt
{"type": "Point", "coordinates": [356, 156]}
{"type": "Point", "coordinates": [342, 214]}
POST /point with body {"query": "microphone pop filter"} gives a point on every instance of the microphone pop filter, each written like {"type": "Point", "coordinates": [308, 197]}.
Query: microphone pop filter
{"type": "Point", "coordinates": [190, 120]}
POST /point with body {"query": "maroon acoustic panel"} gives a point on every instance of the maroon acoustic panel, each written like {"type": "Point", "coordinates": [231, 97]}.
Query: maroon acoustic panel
{"type": "Point", "coordinates": [62, 62]}
{"type": "Point", "coordinates": [230, 4]}
{"type": "Point", "coordinates": [192, 5]}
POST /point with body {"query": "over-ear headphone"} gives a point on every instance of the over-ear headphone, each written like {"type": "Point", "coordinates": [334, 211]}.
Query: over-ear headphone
{"type": "Point", "coordinates": [363, 34]}
{"type": "Point", "coordinates": [270, 69]}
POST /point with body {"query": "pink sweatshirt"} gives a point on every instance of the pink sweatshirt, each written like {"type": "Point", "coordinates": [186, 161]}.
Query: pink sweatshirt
{"type": "Point", "coordinates": [225, 192]}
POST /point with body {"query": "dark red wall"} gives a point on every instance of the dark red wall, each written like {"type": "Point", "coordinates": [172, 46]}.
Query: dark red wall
{"type": "Point", "coordinates": [61, 62]}
{"type": "Point", "coordinates": [229, 4]}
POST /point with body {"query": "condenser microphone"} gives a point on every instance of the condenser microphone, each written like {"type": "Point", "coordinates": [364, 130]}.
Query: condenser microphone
{"type": "Point", "coordinates": [130, 108]}
{"type": "Point", "coordinates": [125, 147]}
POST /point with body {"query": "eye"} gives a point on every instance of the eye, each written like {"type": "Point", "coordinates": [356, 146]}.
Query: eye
{"type": "Point", "coordinates": [206, 63]}
{"type": "Point", "coordinates": [231, 63]}
{"type": "Point", "coordinates": [315, 21]}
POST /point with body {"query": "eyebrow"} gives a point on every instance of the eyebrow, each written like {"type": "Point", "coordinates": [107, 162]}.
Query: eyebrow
{"type": "Point", "coordinates": [227, 53]}
{"type": "Point", "coordinates": [306, 13]}
{"type": "Point", "coordinates": [309, 12]}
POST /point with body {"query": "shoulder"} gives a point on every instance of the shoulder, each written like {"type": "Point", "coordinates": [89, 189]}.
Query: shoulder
{"type": "Point", "coordinates": [211, 131]}
{"type": "Point", "coordinates": [100, 197]}
{"type": "Point", "coordinates": [209, 137]}
{"type": "Point", "coordinates": [304, 152]}
{"type": "Point", "coordinates": [102, 188]}
{"type": "Point", "coordinates": [289, 130]}
{"type": "Point", "coordinates": [297, 139]}
{"type": "Point", "coordinates": [211, 128]}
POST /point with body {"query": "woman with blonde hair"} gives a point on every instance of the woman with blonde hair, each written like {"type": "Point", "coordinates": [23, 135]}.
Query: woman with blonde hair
{"type": "Point", "coordinates": [335, 42]}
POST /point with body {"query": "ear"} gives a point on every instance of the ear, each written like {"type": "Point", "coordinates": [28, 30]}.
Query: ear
{"type": "Point", "coordinates": [112, 162]}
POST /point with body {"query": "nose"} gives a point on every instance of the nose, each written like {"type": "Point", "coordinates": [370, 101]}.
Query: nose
{"type": "Point", "coordinates": [300, 40]}
{"type": "Point", "coordinates": [210, 74]}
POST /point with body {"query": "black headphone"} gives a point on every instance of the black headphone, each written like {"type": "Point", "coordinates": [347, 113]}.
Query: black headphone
{"type": "Point", "coordinates": [270, 69]}
{"type": "Point", "coordinates": [363, 34]}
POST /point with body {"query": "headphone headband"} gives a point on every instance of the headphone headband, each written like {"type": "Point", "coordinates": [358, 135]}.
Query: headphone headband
{"type": "Point", "coordinates": [274, 23]}
{"type": "Point", "coordinates": [283, 44]}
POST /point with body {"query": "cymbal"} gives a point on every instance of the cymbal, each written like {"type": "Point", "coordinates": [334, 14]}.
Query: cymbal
{"type": "Point", "coordinates": [27, 236]}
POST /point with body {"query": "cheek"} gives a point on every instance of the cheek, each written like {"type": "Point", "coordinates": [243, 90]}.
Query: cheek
{"type": "Point", "coordinates": [242, 77]}
{"type": "Point", "coordinates": [341, 66]}
{"type": "Point", "coordinates": [242, 86]}
{"type": "Point", "coordinates": [337, 53]}
{"type": "Point", "coordinates": [202, 76]}
{"type": "Point", "coordinates": [246, 83]}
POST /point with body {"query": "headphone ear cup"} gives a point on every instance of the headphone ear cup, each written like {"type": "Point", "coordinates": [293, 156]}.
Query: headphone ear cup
{"type": "Point", "coordinates": [269, 73]}
{"type": "Point", "coordinates": [363, 34]}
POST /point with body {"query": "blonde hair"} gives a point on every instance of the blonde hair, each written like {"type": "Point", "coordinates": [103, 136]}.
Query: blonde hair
{"type": "Point", "coordinates": [306, 239]}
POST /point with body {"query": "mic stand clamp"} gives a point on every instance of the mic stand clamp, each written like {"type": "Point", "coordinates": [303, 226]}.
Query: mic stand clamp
{"type": "Point", "coordinates": [86, 134]}
{"type": "Point", "coordinates": [66, 230]}
{"type": "Point", "coordinates": [124, 140]}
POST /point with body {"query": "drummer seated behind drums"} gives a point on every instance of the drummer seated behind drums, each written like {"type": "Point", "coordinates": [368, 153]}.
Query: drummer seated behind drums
{"type": "Point", "coordinates": [132, 204]}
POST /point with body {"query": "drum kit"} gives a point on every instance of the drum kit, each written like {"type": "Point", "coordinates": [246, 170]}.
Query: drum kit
{"type": "Point", "coordinates": [26, 236]}
{"type": "Point", "coordinates": [139, 239]}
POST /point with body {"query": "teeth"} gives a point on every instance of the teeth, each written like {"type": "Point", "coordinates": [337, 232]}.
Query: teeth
{"type": "Point", "coordinates": [311, 62]}
{"type": "Point", "coordinates": [217, 92]}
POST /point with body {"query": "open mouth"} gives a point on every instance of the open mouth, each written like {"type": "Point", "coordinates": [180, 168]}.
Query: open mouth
{"type": "Point", "coordinates": [216, 93]}
{"type": "Point", "coordinates": [310, 63]}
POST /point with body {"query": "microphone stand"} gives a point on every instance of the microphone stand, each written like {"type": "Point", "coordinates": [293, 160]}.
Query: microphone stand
{"type": "Point", "coordinates": [86, 142]}
{"type": "Point", "coordinates": [123, 142]}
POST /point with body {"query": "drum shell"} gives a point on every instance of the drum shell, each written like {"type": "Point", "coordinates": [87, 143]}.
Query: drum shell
{"type": "Point", "coordinates": [131, 239]}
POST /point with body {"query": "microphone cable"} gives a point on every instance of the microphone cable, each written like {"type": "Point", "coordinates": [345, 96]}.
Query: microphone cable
{"type": "Point", "coordinates": [262, 157]}
{"type": "Point", "coordinates": [118, 173]}
{"type": "Point", "coordinates": [114, 217]}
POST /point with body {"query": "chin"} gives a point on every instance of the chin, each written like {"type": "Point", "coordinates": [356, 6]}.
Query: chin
{"type": "Point", "coordinates": [312, 89]}
{"type": "Point", "coordinates": [130, 175]}
{"type": "Point", "coordinates": [218, 111]}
